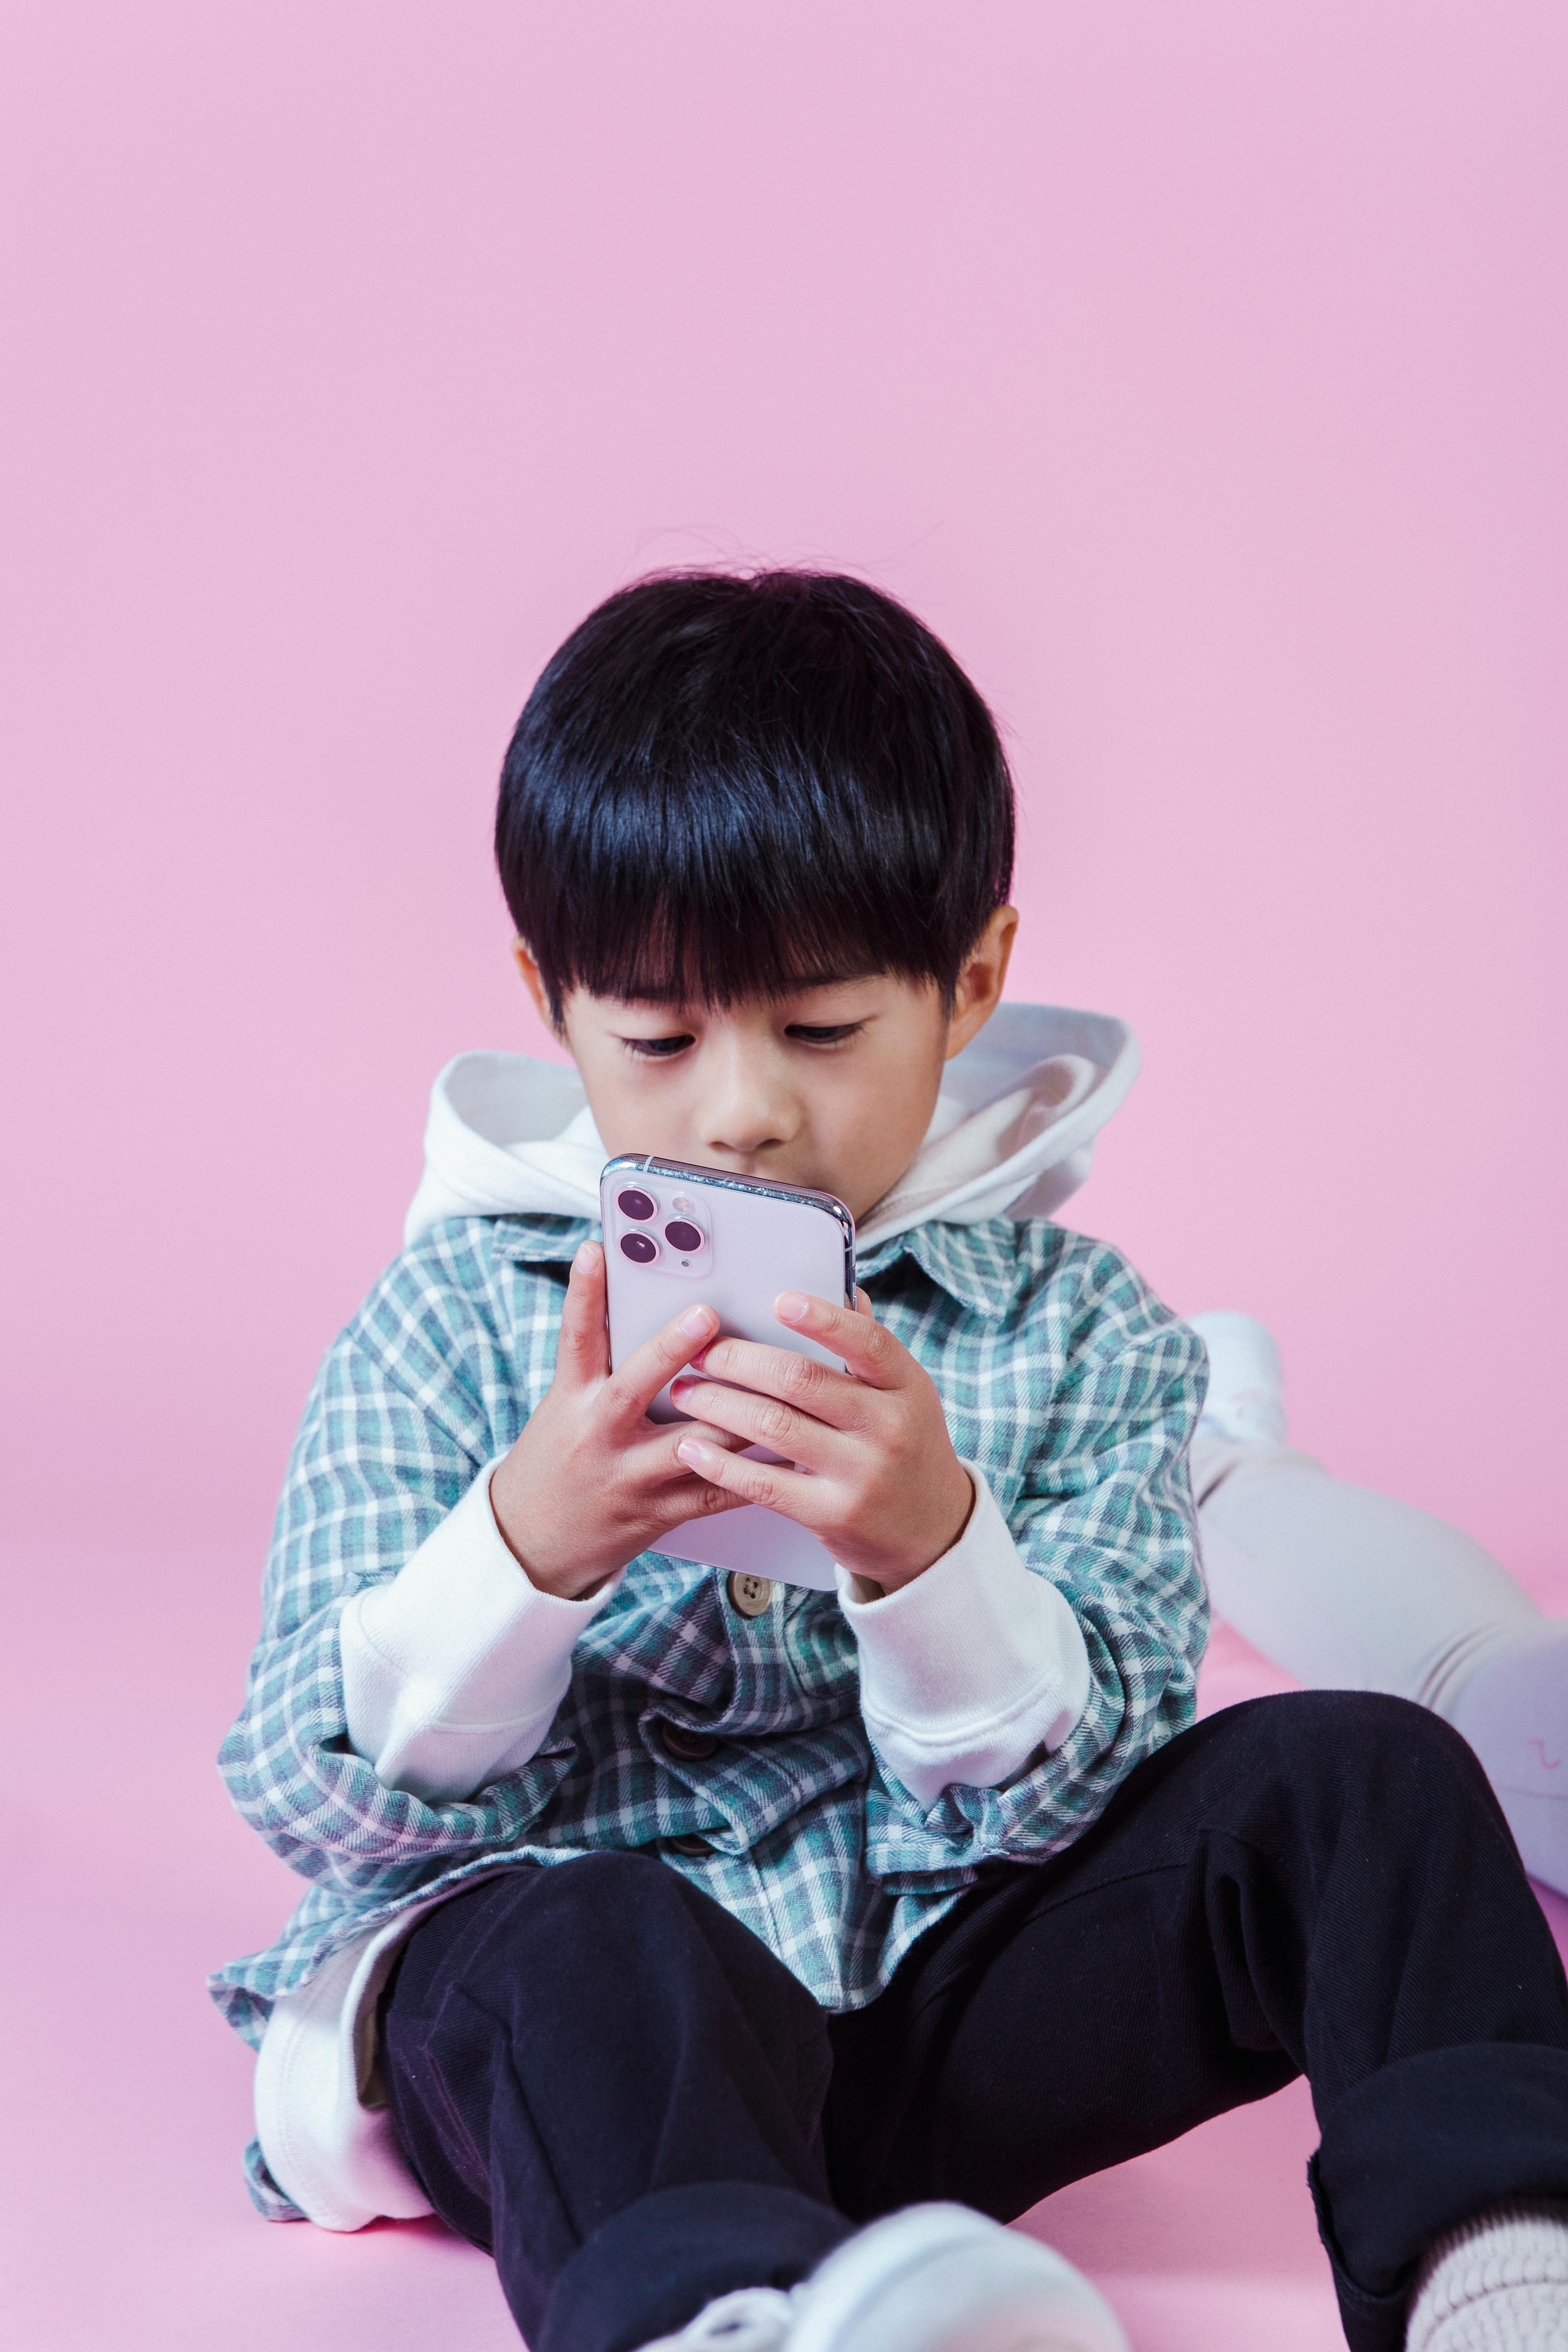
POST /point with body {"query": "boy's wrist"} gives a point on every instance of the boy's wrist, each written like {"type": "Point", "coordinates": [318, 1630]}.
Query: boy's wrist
{"type": "Point", "coordinates": [571, 1580]}
{"type": "Point", "coordinates": [890, 1579]}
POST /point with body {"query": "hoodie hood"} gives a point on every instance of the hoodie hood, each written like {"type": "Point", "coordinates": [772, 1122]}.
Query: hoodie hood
{"type": "Point", "coordinates": [1013, 1132]}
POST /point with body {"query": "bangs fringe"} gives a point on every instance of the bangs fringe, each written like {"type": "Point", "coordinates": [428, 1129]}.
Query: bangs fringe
{"type": "Point", "coordinates": [725, 788]}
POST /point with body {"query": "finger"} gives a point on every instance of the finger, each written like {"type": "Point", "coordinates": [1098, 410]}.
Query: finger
{"type": "Point", "coordinates": [863, 1304]}
{"type": "Point", "coordinates": [691, 1497]}
{"type": "Point", "coordinates": [760, 1421]}
{"type": "Point", "coordinates": [582, 1350]}
{"type": "Point", "coordinates": [820, 1390]}
{"type": "Point", "coordinates": [678, 1492]}
{"type": "Point", "coordinates": [769, 1484]}
{"type": "Point", "coordinates": [869, 1350]}
{"type": "Point", "coordinates": [634, 1385]}
{"type": "Point", "coordinates": [656, 1460]}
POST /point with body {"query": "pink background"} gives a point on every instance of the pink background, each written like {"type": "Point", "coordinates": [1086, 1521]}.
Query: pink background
{"type": "Point", "coordinates": [1197, 369]}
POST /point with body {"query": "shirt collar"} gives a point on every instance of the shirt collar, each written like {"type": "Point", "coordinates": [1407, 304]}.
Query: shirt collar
{"type": "Point", "coordinates": [975, 1265]}
{"type": "Point", "coordinates": [543, 1241]}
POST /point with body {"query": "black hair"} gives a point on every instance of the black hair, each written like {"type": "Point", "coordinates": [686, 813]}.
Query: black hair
{"type": "Point", "coordinates": [729, 786]}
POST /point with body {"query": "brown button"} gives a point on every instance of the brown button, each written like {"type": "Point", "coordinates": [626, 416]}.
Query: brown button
{"type": "Point", "coordinates": [751, 1595]}
{"type": "Point", "coordinates": [691, 1845]}
{"type": "Point", "coordinates": [689, 1747]}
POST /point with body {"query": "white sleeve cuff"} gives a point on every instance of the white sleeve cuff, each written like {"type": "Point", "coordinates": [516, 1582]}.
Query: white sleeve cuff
{"type": "Point", "coordinates": [972, 1668]}
{"type": "Point", "coordinates": [453, 1671]}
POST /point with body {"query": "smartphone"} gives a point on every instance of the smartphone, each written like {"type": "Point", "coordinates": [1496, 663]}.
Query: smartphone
{"type": "Point", "coordinates": [675, 1235]}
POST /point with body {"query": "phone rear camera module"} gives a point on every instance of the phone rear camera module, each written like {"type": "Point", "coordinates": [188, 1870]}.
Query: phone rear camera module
{"type": "Point", "coordinates": [683, 1237]}
{"type": "Point", "coordinates": [641, 1248]}
{"type": "Point", "coordinates": [633, 1203]}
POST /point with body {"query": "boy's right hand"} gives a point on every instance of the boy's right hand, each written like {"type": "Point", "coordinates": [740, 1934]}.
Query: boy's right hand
{"type": "Point", "coordinates": [592, 1481]}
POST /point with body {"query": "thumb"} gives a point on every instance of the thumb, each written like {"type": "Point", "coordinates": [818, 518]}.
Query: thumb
{"type": "Point", "coordinates": [583, 1352]}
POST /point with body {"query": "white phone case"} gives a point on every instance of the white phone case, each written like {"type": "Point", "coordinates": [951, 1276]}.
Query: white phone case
{"type": "Point", "coordinates": [737, 1242]}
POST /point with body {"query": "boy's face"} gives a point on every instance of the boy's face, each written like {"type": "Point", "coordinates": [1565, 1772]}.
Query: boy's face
{"type": "Point", "coordinates": [832, 1086]}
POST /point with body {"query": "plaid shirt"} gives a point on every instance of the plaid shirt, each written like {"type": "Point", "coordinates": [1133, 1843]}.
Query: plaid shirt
{"type": "Point", "coordinates": [1063, 1378]}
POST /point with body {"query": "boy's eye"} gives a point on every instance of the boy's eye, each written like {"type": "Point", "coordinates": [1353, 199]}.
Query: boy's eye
{"type": "Point", "coordinates": [836, 1035]}
{"type": "Point", "coordinates": [655, 1049]}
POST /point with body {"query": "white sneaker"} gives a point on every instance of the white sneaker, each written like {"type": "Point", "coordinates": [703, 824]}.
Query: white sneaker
{"type": "Point", "coordinates": [941, 2278]}
{"type": "Point", "coordinates": [934, 2278]}
{"type": "Point", "coordinates": [753, 2319]}
{"type": "Point", "coordinates": [1245, 1400]}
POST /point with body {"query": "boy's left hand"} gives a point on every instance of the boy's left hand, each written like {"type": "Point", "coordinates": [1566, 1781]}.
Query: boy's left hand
{"type": "Point", "coordinates": [885, 1493]}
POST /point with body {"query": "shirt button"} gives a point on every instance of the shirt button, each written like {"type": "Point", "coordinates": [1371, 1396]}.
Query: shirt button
{"type": "Point", "coordinates": [750, 1595]}
{"type": "Point", "coordinates": [688, 1746]}
{"type": "Point", "coordinates": [691, 1845]}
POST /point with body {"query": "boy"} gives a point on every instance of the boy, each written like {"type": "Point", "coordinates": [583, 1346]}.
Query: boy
{"type": "Point", "coordinates": [719, 1954]}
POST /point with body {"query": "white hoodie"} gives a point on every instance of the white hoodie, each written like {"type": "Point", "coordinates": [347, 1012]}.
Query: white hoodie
{"type": "Point", "coordinates": [1013, 1131]}
{"type": "Point", "coordinates": [453, 1669]}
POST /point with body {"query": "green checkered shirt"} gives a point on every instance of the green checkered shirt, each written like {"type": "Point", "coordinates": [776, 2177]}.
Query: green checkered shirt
{"type": "Point", "coordinates": [1064, 1379]}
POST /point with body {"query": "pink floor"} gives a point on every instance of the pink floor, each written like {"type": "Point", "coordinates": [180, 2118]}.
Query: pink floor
{"type": "Point", "coordinates": [125, 2101]}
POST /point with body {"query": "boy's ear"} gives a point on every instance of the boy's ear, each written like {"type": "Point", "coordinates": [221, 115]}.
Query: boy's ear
{"type": "Point", "coordinates": [978, 991]}
{"type": "Point", "coordinates": [532, 980]}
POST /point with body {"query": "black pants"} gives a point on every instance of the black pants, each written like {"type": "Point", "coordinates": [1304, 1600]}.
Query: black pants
{"type": "Point", "coordinates": [603, 2079]}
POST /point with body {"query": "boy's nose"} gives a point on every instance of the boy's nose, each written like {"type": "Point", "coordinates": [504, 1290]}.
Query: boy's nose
{"type": "Point", "coordinates": [746, 1114]}
{"type": "Point", "coordinates": [744, 1129]}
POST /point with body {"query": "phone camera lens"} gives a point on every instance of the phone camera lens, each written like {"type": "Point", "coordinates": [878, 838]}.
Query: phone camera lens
{"type": "Point", "coordinates": [682, 1236]}
{"type": "Point", "coordinates": [639, 1247]}
{"type": "Point", "coordinates": [633, 1203]}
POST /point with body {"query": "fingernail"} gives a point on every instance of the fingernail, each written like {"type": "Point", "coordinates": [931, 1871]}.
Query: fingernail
{"type": "Point", "coordinates": [697, 1322]}
{"type": "Point", "coordinates": [690, 1453]}
{"type": "Point", "coordinates": [791, 1308]}
{"type": "Point", "coordinates": [582, 1262]}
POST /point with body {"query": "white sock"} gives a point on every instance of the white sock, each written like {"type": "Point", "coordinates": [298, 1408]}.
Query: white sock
{"type": "Point", "coordinates": [1499, 2284]}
